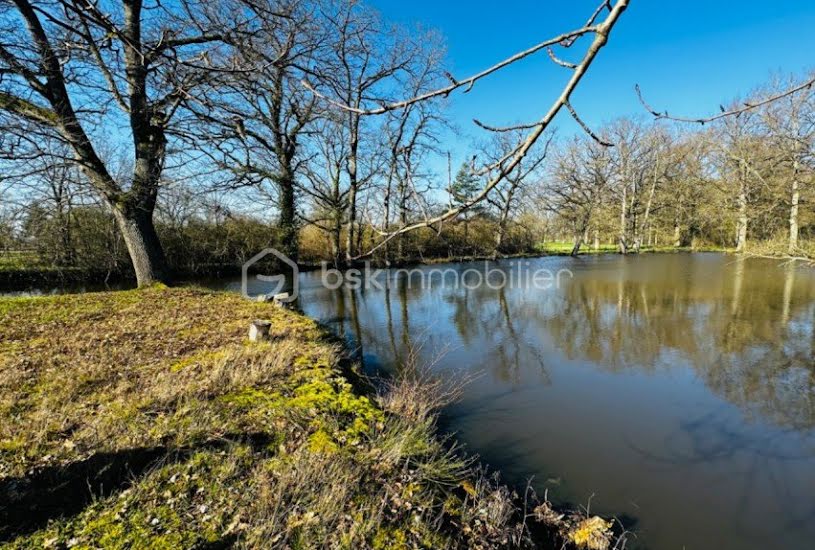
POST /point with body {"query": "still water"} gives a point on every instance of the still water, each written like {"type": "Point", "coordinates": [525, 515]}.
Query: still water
{"type": "Point", "coordinates": [676, 391]}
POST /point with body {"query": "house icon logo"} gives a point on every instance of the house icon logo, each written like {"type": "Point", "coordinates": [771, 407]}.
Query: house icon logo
{"type": "Point", "coordinates": [278, 280]}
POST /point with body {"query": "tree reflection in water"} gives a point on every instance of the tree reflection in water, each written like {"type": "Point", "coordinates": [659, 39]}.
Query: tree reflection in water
{"type": "Point", "coordinates": [680, 388]}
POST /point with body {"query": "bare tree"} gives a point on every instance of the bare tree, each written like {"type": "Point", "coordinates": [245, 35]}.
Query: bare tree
{"type": "Point", "coordinates": [411, 136]}
{"type": "Point", "coordinates": [48, 187]}
{"type": "Point", "coordinates": [791, 124]}
{"type": "Point", "coordinates": [64, 63]}
{"type": "Point", "coordinates": [325, 185]}
{"type": "Point", "coordinates": [506, 197]}
{"type": "Point", "coordinates": [739, 144]}
{"type": "Point", "coordinates": [256, 116]}
{"type": "Point", "coordinates": [366, 60]}
{"type": "Point", "coordinates": [578, 183]}
{"type": "Point", "coordinates": [354, 106]}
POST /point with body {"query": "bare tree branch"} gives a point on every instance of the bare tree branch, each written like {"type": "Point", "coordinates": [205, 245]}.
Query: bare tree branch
{"type": "Point", "coordinates": [602, 32]}
{"type": "Point", "coordinates": [725, 113]}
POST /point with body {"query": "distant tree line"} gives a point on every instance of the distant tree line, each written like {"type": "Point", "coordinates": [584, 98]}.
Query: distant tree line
{"type": "Point", "coordinates": [282, 117]}
{"type": "Point", "coordinates": [186, 136]}
{"type": "Point", "coordinates": [743, 182]}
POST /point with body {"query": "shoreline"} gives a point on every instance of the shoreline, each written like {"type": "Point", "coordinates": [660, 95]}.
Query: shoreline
{"type": "Point", "coordinates": [145, 418]}
{"type": "Point", "coordinates": [72, 279]}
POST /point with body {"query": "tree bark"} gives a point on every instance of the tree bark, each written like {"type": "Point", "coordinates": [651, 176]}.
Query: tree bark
{"type": "Point", "coordinates": [741, 226]}
{"type": "Point", "coordinates": [794, 202]}
{"type": "Point", "coordinates": [577, 244]}
{"type": "Point", "coordinates": [353, 188]}
{"type": "Point", "coordinates": [352, 218]}
{"type": "Point", "coordinates": [403, 218]}
{"type": "Point", "coordinates": [623, 221]}
{"type": "Point", "coordinates": [336, 232]}
{"type": "Point", "coordinates": [288, 218]}
{"type": "Point", "coordinates": [387, 214]}
{"type": "Point", "coordinates": [146, 253]}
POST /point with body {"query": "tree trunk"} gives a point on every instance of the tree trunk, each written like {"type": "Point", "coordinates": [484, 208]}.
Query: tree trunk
{"type": "Point", "coordinates": [336, 230]}
{"type": "Point", "coordinates": [360, 236]}
{"type": "Point", "coordinates": [146, 253]}
{"type": "Point", "coordinates": [403, 220]}
{"type": "Point", "coordinates": [353, 188]}
{"type": "Point", "coordinates": [596, 240]}
{"type": "Point", "coordinates": [646, 222]}
{"type": "Point", "coordinates": [623, 221]}
{"type": "Point", "coordinates": [352, 219]}
{"type": "Point", "coordinates": [336, 236]}
{"type": "Point", "coordinates": [387, 216]}
{"type": "Point", "coordinates": [577, 244]}
{"type": "Point", "coordinates": [288, 218]}
{"type": "Point", "coordinates": [499, 238]}
{"type": "Point", "coordinates": [795, 199]}
{"type": "Point", "coordinates": [502, 224]}
{"type": "Point", "coordinates": [741, 227]}
{"type": "Point", "coordinates": [65, 256]}
{"type": "Point", "coordinates": [677, 234]}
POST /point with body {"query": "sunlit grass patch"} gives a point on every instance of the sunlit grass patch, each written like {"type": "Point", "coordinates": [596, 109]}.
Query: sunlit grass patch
{"type": "Point", "coordinates": [146, 419]}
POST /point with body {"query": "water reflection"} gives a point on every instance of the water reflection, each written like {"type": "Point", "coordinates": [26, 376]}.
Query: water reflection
{"type": "Point", "coordinates": [677, 388]}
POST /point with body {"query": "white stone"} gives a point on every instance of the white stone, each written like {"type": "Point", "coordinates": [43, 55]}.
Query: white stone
{"type": "Point", "coordinates": [259, 331]}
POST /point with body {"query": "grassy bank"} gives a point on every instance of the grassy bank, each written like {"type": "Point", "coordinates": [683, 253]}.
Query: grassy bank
{"type": "Point", "coordinates": [145, 419]}
{"type": "Point", "coordinates": [565, 248]}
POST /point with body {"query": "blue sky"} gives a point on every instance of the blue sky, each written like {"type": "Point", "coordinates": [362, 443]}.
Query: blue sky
{"type": "Point", "coordinates": [688, 55]}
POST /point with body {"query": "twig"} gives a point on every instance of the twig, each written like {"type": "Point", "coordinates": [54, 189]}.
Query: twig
{"type": "Point", "coordinates": [456, 84]}
{"type": "Point", "coordinates": [748, 106]}
{"type": "Point", "coordinates": [602, 32]}
{"type": "Point", "coordinates": [586, 128]}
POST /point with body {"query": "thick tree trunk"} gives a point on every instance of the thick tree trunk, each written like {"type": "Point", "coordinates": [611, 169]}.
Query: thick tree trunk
{"type": "Point", "coordinates": [146, 253]}
{"type": "Point", "coordinates": [596, 240]}
{"type": "Point", "coordinates": [288, 219]}
{"type": "Point", "coordinates": [499, 237]}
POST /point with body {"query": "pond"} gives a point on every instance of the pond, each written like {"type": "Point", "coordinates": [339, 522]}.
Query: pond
{"type": "Point", "coordinates": [673, 391]}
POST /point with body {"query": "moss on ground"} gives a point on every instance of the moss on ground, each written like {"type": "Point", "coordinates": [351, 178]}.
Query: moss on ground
{"type": "Point", "coordinates": [145, 419]}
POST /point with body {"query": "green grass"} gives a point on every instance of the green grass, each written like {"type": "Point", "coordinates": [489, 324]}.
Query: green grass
{"type": "Point", "coordinates": [566, 248]}
{"type": "Point", "coordinates": [561, 248]}
{"type": "Point", "coordinates": [146, 419]}
{"type": "Point", "coordinates": [19, 261]}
